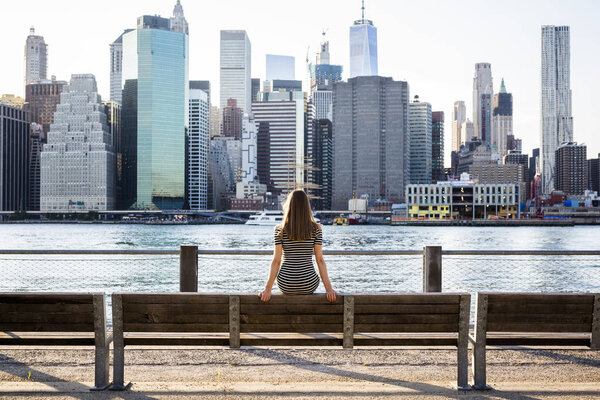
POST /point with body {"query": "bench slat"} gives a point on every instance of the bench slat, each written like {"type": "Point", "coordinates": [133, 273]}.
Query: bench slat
{"type": "Point", "coordinates": [45, 308]}
{"type": "Point", "coordinates": [144, 327]}
{"type": "Point", "coordinates": [541, 318]}
{"type": "Point", "coordinates": [291, 327]}
{"type": "Point", "coordinates": [47, 298]}
{"type": "Point", "coordinates": [537, 327]}
{"type": "Point", "coordinates": [282, 299]}
{"type": "Point", "coordinates": [268, 308]}
{"type": "Point", "coordinates": [389, 299]}
{"type": "Point", "coordinates": [164, 317]}
{"type": "Point", "coordinates": [174, 298]}
{"type": "Point", "coordinates": [405, 328]}
{"type": "Point", "coordinates": [407, 308]}
{"type": "Point", "coordinates": [406, 318]}
{"type": "Point", "coordinates": [177, 308]}
{"type": "Point", "coordinates": [291, 318]}
{"type": "Point", "coordinates": [46, 327]}
{"type": "Point", "coordinates": [48, 317]}
{"type": "Point", "coordinates": [533, 308]}
{"type": "Point", "coordinates": [541, 298]}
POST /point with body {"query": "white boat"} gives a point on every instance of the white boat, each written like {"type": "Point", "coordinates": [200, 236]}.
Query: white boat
{"type": "Point", "coordinates": [266, 217]}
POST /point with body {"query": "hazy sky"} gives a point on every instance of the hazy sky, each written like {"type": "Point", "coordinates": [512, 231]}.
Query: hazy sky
{"type": "Point", "coordinates": [433, 44]}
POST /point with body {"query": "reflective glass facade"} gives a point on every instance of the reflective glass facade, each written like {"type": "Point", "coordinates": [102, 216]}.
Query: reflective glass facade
{"type": "Point", "coordinates": [157, 59]}
{"type": "Point", "coordinates": [363, 49]}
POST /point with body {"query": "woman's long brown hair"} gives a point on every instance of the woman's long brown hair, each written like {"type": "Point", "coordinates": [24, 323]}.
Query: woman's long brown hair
{"type": "Point", "coordinates": [298, 222]}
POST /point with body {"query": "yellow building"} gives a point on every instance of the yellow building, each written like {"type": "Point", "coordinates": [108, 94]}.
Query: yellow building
{"type": "Point", "coordinates": [12, 100]}
{"type": "Point", "coordinates": [427, 212]}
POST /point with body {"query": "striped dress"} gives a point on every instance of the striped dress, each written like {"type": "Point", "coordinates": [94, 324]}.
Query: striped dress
{"type": "Point", "coordinates": [297, 273]}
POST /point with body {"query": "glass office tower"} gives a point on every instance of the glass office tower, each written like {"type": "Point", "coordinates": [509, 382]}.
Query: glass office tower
{"type": "Point", "coordinates": [363, 47]}
{"type": "Point", "coordinates": [155, 68]}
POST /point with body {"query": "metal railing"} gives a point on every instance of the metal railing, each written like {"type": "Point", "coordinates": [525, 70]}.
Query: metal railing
{"type": "Point", "coordinates": [193, 269]}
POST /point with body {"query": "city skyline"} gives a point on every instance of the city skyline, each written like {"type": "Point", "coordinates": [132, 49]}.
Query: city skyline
{"type": "Point", "coordinates": [400, 55]}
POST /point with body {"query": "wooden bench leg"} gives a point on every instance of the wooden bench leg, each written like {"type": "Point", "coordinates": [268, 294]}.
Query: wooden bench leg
{"type": "Point", "coordinates": [348, 328]}
{"type": "Point", "coordinates": [479, 346]}
{"type": "Point", "coordinates": [102, 342]}
{"type": "Point", "coordinates": [119, 345]}
{"type": "Point", "coordinates": [462, 382]}
{"type": "Point", "coordinates": [595, 339]}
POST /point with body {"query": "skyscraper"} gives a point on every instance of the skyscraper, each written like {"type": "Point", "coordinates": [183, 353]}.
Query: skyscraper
{"type": "Point", "coordinates": [280, 121]}
{"type": "Point", "coordinates": [363, 47]}
{"type": "Point", "coordinates": [483, 91]}
{"type": "Point", "coordinates": [197, 146]}
{"type": "Point", "coordinates": [155, 114]}
{"type": "Point", "coordinates": [437, 146]}
{"type": "Point", "coordinates": [571, 168]}
{"type": "Point", "coordinates": [14, 154]}
{"type": "Point", "coordinates": [116, 68]}
{"type": "Point", "coordinates": [249, 173]}
{"type": "Point", "coordinates": [459, 116]}
{"type": "Point", "coordinates": [35, 153]}
{"type": "Point", "coordinates": [235, 64]}
{"type": "Point", "coordinates": [419, 126]}
{"type": "Point", "coordinates": [178, 21]}
{"type": "Point", "coordinates": [280, 67]}
{"type": "Point", "coordinates": [502, 120]}
{"type": "Point", "coordinates": [78, 162]}
{"type": "Point", "coordinates": [41, 100]}
{"type": "Point", "coordinates": [114, 122]}
{"type": "Point", "coordinates": [36, 58]}
{"type": "Point", "coordinates": [232, 120]}
{"type": "Point", "coordinates": [370, 139]}
{"type": "Point", "coordinates": [556, 118]}
{"type": "Point", "coordinates": [323, 75]}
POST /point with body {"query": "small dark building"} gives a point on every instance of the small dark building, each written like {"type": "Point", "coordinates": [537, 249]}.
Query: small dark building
{"type": "Point", "coordinates": [437, 146]}
{"type": "Point", "coordinates": [594, 174]}
{"type": "Point", "coordinates": [571, 168]}
{"type": "Point", "coordinates": [14, 158]}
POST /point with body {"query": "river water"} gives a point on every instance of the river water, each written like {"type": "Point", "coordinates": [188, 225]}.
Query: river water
{"type": "Point", "coordinates": [248, 273]}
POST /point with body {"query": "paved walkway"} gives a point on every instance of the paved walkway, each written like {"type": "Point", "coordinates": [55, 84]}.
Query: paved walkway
{"type": "Point", "coordinates": [275, 373]}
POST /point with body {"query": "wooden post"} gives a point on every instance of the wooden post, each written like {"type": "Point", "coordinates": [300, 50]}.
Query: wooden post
{"type": "Point", "coordinates": [432, 269]}
{"type": "Point", "coordinates": [101, 342]}
{"type": "Point", "coordinates": [595, 339]}
{"type": "Point", "coordinates": [463, 343]}
{"type": "Point", "coordinates": [234, 322]}
{"type": "Point", "coordinates": [188, 269]}
{"type": "Point", "coordinates": [348, 341]}
{"type": "Point", "coordinates": [479, 360]}
{"type": "Point", "coordinates": [119, 344]}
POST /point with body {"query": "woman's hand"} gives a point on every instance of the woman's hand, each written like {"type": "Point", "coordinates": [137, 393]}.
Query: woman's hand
{"type": "Point", "coordinates": [265, 295]}
{"type": "Point", "coordinates": [331, 295]}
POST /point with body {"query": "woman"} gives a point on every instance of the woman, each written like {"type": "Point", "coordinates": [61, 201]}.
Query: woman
{"type": "Point", "coordinates": [295, 238]}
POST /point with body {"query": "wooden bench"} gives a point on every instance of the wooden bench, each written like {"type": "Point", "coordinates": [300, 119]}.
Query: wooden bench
{"type": "Point", "coordinates": [430, 319]}
{"type": "Point", "coordinates": [532, 319]}
{"type": "Point", "coordinates": [58, 319]}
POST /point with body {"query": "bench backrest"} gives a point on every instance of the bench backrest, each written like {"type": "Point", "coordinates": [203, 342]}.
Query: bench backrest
{"type": "Point", "coordinates": [302, 314]}
{"type": "Point", "coordinates": [418, 312]}
{"type": "Point", "coordinates": [171, 312]}
{"type": "Point", "coordinates": [529, 312]}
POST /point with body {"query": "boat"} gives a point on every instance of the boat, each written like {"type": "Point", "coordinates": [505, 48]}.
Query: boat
{"type": "Point", "coordinates": [266, 217]}
{"type": "Point", "coordinates": [341, 220]}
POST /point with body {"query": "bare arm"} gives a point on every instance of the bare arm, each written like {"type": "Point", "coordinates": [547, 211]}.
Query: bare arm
{"type": "Point", "coordinates": [331, 294]}
{"type": "Point", "coordinates": [265, 295]}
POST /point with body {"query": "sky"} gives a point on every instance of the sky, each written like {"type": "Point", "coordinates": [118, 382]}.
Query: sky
{"type": "Point", "coordinates": [432, 44]}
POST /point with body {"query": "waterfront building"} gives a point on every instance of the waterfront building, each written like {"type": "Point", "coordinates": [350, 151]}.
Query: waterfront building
{"type": "Point", "coordinates": [437, 146]}
{"type": "Point", "coordinates": [462, 199]}
{"type": "Point", "coordinates": [78, 161]}
{"type": "Point", "coordinates": [36, 143]}
{"type": "Point", "coordinates": [516, 157]}
{"type": "Point", "coordinates": [420, 131]}
{"type": "Point", "coordinates": [249, 172]}
{"type": "Point", "coordinates": [155, 114]}
{"type": "Point", "coordinates": [116, 68]}
{"type": "Point", "coordinates": [279, 85]}
{"type": "Point", "coordinates": [501, 173]}
{"type": "Point", "coordinates": [197, 145]}
{"type": "Point", "coordinates": [459, 117]}
{"type": "Point", "coordinates": [502, 120]}
{"type": "Point", "coordinates": [14, 155]}
{"type": "Point", "coordinates": [232, 120]}
{"type": "Point", "coordinates": [475, 152]}
{"type": "Point", "coordinates": [12, 101]}
{"type": "Point", "coordinates": [482, 101]}
{"type": "Point", "coordinates": [255, 88]}
{"type": "Point", "coordinates": [280, 67]}
{"type": "Point", "coordinates": [321, 155]}
{"type": "Point", "coordinates": [593, 167]}
{"type": "Point", "coordinates": [41, 99]}
{"type": "Point", "coordinates": [215, 121]}
{"type": "Point", "coordinates": [556, 117]}
{"type": "Point", "coordinates": [279, 118]}
{"type": "Point", "coordinates": [112, 109]}
{"type": "Point", "coordinates": [363, 47]}
{"type": "Point", "coordinates": [571, 168]}
{"type": "Point", "coordinates": [36, 58]}
{"type": "Point", "coordinates": [371, 140]}
{"type": "Point", "coordinates": [235, 64]}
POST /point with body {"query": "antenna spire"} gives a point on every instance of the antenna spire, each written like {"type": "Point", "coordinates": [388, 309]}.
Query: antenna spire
{"type": "Point", "coordinates": [363, 10]}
